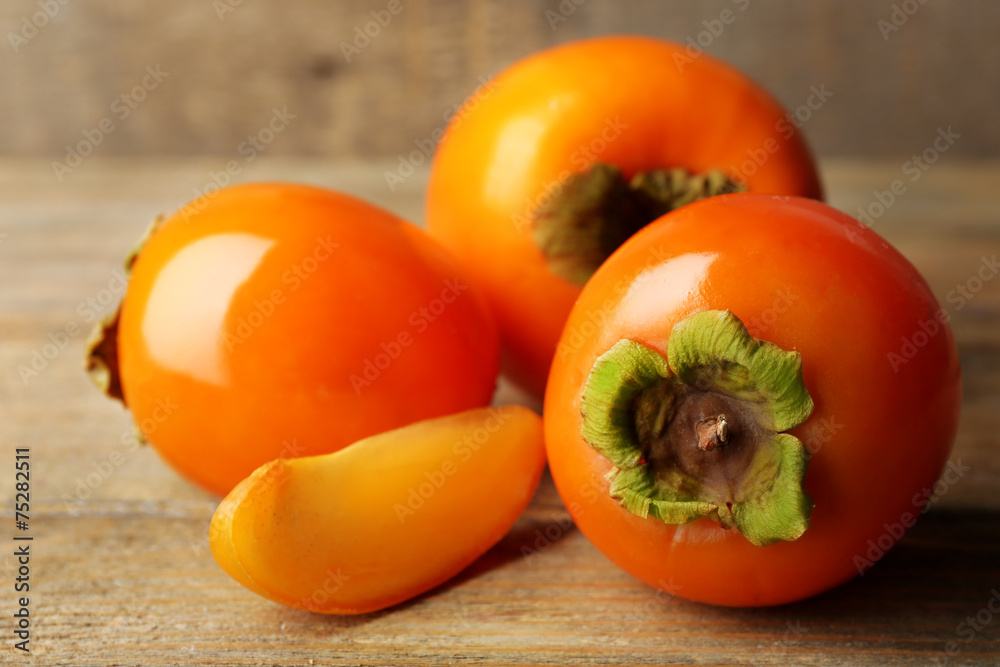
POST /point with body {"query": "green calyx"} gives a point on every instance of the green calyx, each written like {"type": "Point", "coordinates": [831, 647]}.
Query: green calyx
{"type": "Point", "coordinates": [698, 433]}
{"type": "Point", "coordinates": [597, 210]}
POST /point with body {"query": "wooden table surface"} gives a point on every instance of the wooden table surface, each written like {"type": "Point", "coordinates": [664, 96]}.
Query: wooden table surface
{"type": "Point", "coordinates": [121, 571]}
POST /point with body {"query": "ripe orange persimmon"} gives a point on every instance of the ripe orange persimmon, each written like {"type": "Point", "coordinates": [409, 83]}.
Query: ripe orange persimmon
{"type": "Point", "coordinates": [274, 320]}
{"type": "Point", "coordinates": [385, 519]}
{"type": "Point", "coordinates": [567, 153]}
{"type": "Point", "coordinates": [746, 427]}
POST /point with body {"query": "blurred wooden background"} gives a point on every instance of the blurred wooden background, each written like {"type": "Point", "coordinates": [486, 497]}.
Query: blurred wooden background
{"type": "Point", "coordinates": [122, 570]}
{"type": "Point", "coordinates": [898, 69]}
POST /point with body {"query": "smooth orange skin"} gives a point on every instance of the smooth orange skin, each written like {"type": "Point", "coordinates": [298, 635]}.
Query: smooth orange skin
{"type": "Point", "coordinates": [522, 135]}
{"type": "Point", "coordinates": [245, 334]}
{"type": "Point", "coordinates": [385, 519]}
{"type": "Point", "coordinates": [808, 278]}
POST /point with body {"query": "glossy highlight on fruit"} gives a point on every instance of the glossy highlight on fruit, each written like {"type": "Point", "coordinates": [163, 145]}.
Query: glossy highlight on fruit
{"type": "Point", "coordinates": [385, 519]}
{"type": "Point", "coordinates": [561, 141]}
{"type": "Point", "coordinates": [273, 320]}
{"type": "Point", "coordinates": [818, 293]}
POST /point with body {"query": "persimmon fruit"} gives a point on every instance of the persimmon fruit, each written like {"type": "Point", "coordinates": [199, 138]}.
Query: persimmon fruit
{"type": "Point", "coordinates": [731, 416]}
{"type": "Point", "coordinates": [570, 151]}
{"type": "Point", "coordinates": [275, 320]}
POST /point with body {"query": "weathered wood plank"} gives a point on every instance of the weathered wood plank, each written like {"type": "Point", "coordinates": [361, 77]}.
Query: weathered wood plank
{"type": "Point", "coordinates": [144, 590]}
{"type": "Point", "coordinates": [122, 570]}
{"type": "Point", "coordinates": [225, 71]}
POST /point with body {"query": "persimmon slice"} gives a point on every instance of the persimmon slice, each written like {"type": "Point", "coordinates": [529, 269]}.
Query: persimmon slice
{"type": "Point", "coordinates": [384, 519]}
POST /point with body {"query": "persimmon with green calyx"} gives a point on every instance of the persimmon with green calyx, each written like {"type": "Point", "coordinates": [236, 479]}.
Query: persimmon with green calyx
{"type": "Point", "coordinates": [384, 520]}
{"type": "Point", "coordinates": [740, 427]}
{"type": "Point", "coordinates": [275, 320]}
{"type": "Point", "coordinates": [569, 152]}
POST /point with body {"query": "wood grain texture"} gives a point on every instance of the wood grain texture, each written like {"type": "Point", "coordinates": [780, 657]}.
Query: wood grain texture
{"type": "Point", "coordinates": [228, 68]}
{"type": "Point", "coordinates": [122, 573]}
